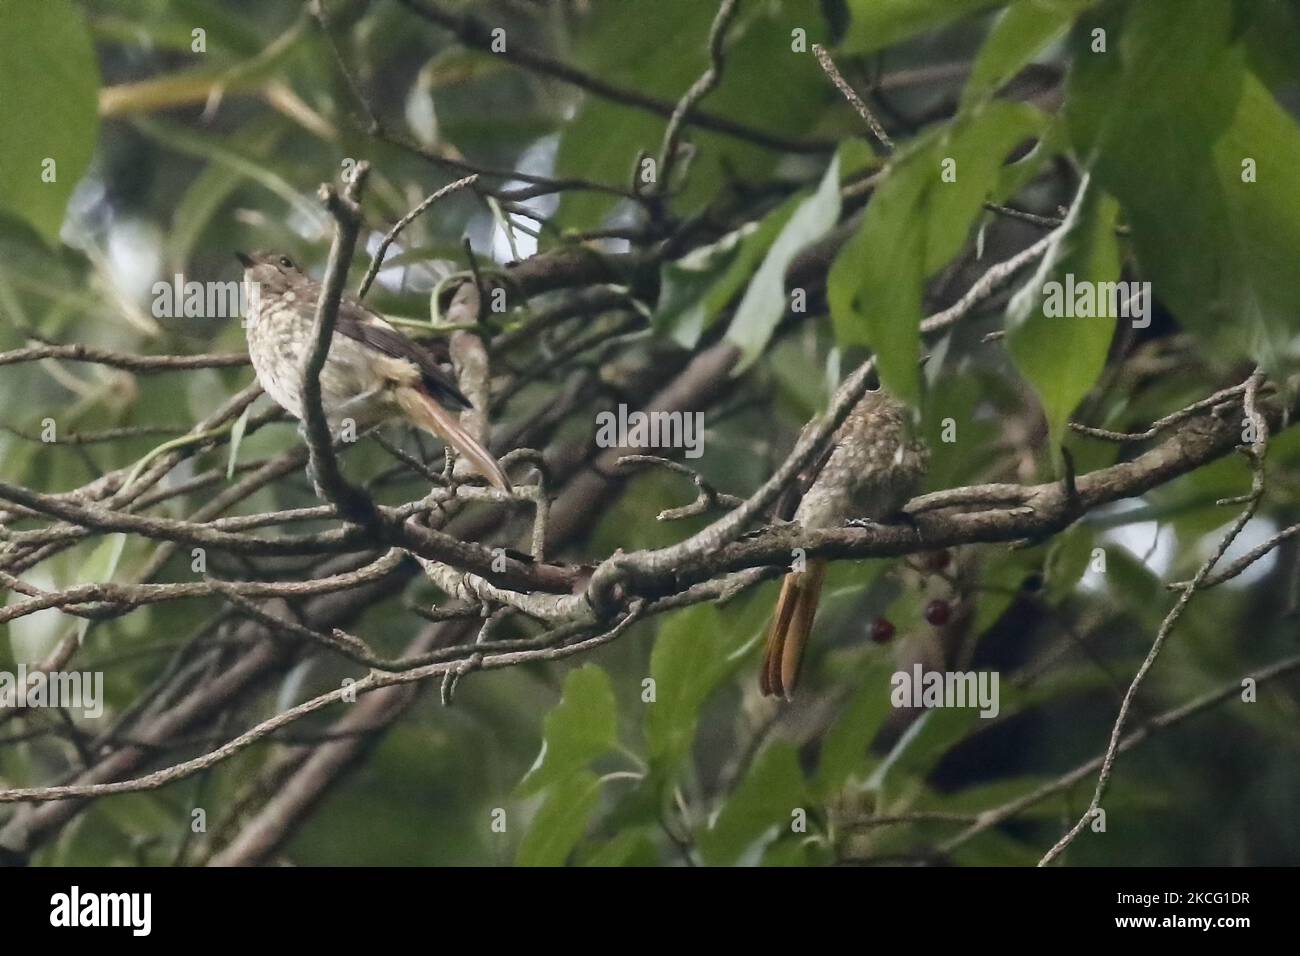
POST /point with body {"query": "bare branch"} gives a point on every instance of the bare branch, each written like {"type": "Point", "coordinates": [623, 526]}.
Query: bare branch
{"type": "Point", "coordinates": [850, 94]}
{"type": "Point", "coordinates": [351, 501]}
{"type": "Point", "coordinates": [377, 260]}
{"type": "Point", "coordinates": [145, 364]}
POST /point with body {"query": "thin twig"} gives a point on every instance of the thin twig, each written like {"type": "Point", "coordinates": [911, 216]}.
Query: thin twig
{"type": "Point", "coordinates": [1258, 448]}
{"type": "Point", "coordinates": [351, 501]}
{"type": "Point", "coordinates": [850, 94]}
{"type": "Point", "coordinates": [377, 260]}
{"type": "Point", "coordinates": [708, 498]}
{"type": "Point", "coordinates": [701, 88]}
{"type": "Point", "coordinates": [474, 33]}
{"type": "Point", "coordinates": [145, 364]}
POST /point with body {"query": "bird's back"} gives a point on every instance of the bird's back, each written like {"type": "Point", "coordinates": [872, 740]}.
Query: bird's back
{"type": "Point", "coordinates": [875, 466]}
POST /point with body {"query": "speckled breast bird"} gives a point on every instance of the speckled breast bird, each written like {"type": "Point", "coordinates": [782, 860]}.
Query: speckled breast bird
{"type": "Point", "coordinates": [373, 372]}
{"type": "Point", "coordinates": [870, 469]}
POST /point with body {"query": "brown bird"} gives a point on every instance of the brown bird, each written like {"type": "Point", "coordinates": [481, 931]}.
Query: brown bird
{"type": "Point", "coordinates": [373, 372]}
{"type": "Point", "coordinates": [871, 468]}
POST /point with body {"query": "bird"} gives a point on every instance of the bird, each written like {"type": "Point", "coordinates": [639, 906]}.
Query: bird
{"type": "Point", "coordinates": [372, 374]}
{"type": "Point", "coordinates": [869, 470]}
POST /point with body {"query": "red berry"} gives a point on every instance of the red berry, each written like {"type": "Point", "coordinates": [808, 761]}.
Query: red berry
{"type": "Point", "coordinates": [882, 630]}
{"type": "Point", "coordinates": [938, 560]}
{"type": "Point", "coordinates": [938, 612]}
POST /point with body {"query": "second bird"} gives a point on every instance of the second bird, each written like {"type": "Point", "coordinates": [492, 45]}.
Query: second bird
{"type": "Point", "coordinates": [373, 372]}
{"type": "Point", "coordinates": [871, 468]}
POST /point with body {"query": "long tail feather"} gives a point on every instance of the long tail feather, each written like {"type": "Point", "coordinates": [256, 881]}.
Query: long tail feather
{"type": "Point", "coordinates": [792, 622]}
{"type": "Point", "coordinates": [432, 417]}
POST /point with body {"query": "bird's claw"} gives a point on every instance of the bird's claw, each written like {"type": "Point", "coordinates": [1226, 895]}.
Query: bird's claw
{"type": "Point", "coordinates": [901, 517]}
{"type": "Point", "coordinates": [315, 481]}
{"type": "Point", "coordinates": [861, 523]}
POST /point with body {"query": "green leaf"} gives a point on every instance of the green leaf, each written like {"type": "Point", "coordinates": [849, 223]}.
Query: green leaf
{"type": "Point", "coordinates": [766, 85]}
{"type": "Point", "coordinates": [633, 847]}
{"type": "Point", "coordinates": [561, 821]}
{"type": "Point", "coordinates": [919, 218]}
{"type": "Point", "coordinates": [879, 23]}
{"type": "Point", "coordinates": [1272, 38]}
{"type": "Point", "coordinates": [690, 658]}
{"type": "Point", "coordinates": [844, 750]}
{"type": "Point", "coordinates": [801, 853]}
{"type": "Point", "coordinates": [681, 313]}
{"type": "Point", "coordinates": [582, 727]}
{"type": "Point", "coordinates": [238, 158]}
{"type": "Point", "coordinates": [761, 806]}
{"type": "Point", "coordinates": [1068, 559]}
{"type": "Point", "coordinates": [1059, 350]}
{"type": "Point", "coordinates": [924, 743]}
{"type": "Point", "coordinates": [696, 288]}
{"type": "Point", "coordinates": [1021, 32]}
{"type": "Point", "coordinates": [49, 81]}
{"type": "Point", "coordinates": [1173, 124]}
{"type": "Point", "coordinates": [765, 300]}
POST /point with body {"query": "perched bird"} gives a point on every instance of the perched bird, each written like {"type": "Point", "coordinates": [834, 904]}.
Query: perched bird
{"type": "Point", "coordinates": [373, 372]}
{"type": "Point", "coordinates": [870, 469]}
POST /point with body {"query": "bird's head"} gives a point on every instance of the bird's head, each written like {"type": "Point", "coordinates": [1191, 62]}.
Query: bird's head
{"type": "Point", "coordinates": [271, 272]}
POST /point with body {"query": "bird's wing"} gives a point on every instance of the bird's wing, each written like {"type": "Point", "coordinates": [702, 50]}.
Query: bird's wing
{"type": "Point", "coordinates": [362, 325]}
{"type": "Point", "coordinates": [788, 502]}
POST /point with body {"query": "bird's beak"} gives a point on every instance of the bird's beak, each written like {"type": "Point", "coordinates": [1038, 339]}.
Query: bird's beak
{"type": "Point", "coordinates": [245, 258]}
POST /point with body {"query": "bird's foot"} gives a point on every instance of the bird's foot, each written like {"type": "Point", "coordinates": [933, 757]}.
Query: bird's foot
{"type": "Point", "coordinates": [898, 518]}
{"type": "Point", "coordinates": [315, 481]}
{"type": "Point", "coordinates": [312, 477]}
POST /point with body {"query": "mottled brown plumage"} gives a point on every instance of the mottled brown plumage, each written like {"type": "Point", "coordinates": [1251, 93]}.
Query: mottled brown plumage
{"type": "Point", "coordinates": [373, 372]}
{"type": "Point", "coordinates": [871, 468]}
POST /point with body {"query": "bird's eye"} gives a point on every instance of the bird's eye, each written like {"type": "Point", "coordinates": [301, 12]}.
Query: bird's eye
{"type": "Point", "coordinates": [286, 262]}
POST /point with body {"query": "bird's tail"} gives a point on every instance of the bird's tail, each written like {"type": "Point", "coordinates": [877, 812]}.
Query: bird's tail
{"type": "Point", "coordinates": [425, 411]}
{"type": "Point", "coordinates": [791, 624]}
